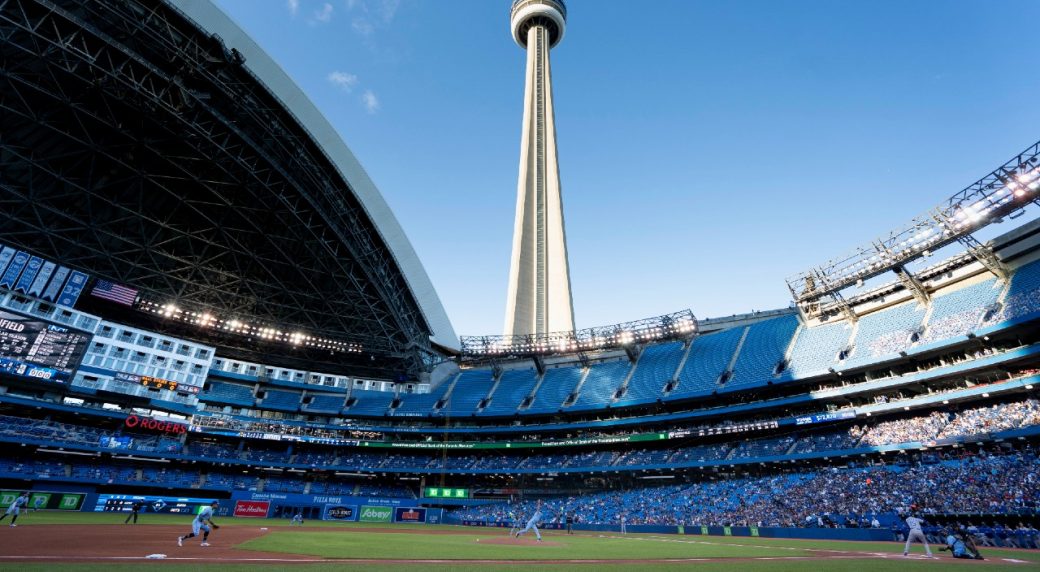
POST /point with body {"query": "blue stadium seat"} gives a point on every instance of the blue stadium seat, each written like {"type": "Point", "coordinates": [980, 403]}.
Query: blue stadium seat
{"type": "Point", "coordinates": [471, 388]}
{"type": "Point", "coordinates": [325, 403]}
{"type": "Point", "coordinates": [370, 403]}
{"type": "Point", "coordinates": [816, 349]}
{"type": "Point", "coordinates": [602, 381]}
{"type": "Point", "coordinates": [557, 385]}
{"type": "Point", "coordinates": [516, 384]}
{"type": "Point", "coordinates": [886, 332]}
{"type": "Point", "coordinates": [230, 393]}
{"type": "Point", "coordinates": [763, 348]}
{"type": "Point", "coordinates": [654, 370]}
{"type": "Point", "coordinates": [1023, 295]}
{"type": "Point", "coordinates": [957, 313]}
{"type": "Point", "coordinates": [281, 400]}
{"type": "Point", "coordinates": [422, 404]}
{"type": "Point", "coordinates": [709, 356]}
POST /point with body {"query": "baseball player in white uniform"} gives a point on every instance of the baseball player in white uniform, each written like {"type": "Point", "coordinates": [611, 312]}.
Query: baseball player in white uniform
{"type": "Point", "coordinates": [532, 523]}
{"type": "Point", "coordinates": [16, 508]}
{"type": "Point", "coordinates": [915, 534]}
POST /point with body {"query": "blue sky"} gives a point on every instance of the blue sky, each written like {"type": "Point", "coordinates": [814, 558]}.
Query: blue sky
{"type": "Point", "coordinates": [708, 150]}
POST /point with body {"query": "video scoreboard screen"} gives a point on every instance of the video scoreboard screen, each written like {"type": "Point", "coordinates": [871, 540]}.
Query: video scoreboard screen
{"type": "Point", "coordinates": [34, 348]}
{"type": "Point", "coordinates": [158, 504]}
{"type": "Point", "coordinates": [443, 493]}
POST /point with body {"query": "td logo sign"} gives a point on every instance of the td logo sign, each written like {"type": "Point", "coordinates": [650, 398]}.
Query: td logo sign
{"type": "Point", "coordinates": [375, 514]}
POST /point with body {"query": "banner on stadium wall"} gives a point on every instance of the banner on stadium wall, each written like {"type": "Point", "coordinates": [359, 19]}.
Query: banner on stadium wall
{"type": "Point", "coordinates": [48, 500]}
{"type": "Point", "coordinates": [409, 514]}
{"type": "Point", "coordinates": [300, 499]}
{"type": "Point", "coordinates": [41, 500]}
{"type": "Point", "coordinates": [252, 509]}
{"type": "Point", "coordinates": [375, 514]}
{"type": "Point", "coordinates": [339, 512]}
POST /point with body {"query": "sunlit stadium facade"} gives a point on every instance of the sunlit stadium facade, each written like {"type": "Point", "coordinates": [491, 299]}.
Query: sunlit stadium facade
{"type": "Point", "coordinates": [204, 295]}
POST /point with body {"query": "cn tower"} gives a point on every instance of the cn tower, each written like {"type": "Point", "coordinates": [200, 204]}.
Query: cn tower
{"type": "Point", "coordinates": [539, 276]}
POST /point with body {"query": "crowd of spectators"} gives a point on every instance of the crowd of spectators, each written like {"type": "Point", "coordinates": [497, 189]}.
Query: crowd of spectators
{"type": "Point", "coordinates": [999, 483]}
{"type": "Point", "coordinates": [937, 425]}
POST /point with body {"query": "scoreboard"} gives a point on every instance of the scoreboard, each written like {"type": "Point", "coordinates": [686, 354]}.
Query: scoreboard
{"type": "Point", "coordinates": [38, 349]}
{"type": "Point", "coordinates": [443, 493]}
{"type": "Point", "coordinates": [156, 382]}
{"type": "Point", "coordinates": [157, 504]}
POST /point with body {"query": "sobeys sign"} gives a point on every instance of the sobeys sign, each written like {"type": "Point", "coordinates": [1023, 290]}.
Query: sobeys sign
{"type": "Point", "coordinates": [375, 514]}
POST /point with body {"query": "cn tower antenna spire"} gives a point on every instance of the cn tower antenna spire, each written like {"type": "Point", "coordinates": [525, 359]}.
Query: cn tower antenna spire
{"type": "Point", "coordinates": [539, 298]}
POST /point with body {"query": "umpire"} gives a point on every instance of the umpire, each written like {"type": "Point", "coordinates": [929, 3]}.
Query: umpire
{"type": "Point", "coordinates": [134, 509]}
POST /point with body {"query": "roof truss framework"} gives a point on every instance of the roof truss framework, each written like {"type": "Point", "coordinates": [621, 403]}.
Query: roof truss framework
{"type": "Point", "coordinates": [139, 149]}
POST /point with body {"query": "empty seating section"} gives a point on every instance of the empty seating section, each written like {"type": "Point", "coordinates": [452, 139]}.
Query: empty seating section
{"type": "Point", "coordinates": [655, 369]}
{"type": "Point", "coordinates": [557, 385]}
{"type": "Point", "coordinates": [472, 387]}
{"type": "Point", "coordinates": [709, 356]}
{"type": "Point", "coordinates": [958, 312]}
{"type": "Point", "coordinates": [324, 403]}
{"type": "Point", "coordinates": [212, 450]}
{"type": "Point", "coordinates": [763, 448]}
{"type": "Point", "coordinates": [886, 332]}
{"type": "Point", "coordinates": [230, 393]}
{"type": "Point", "coordinates": [516, 384]}
{"type": "Point", "coordinates": [419, 404]}
{"type": "Point", "coordinates": [231, 482]}
{"type": "Point", "coordinates": [377, 490]}
{"type": "Point", "coordinates": [1023, 296]}
{"type": "Point", "coordinates": [283, 485]}
{"type": "Point", "coordinates": [370, 403]}
{"type": "Point", "coordinates": [602, 381]}
{"type": "Point", "coordinates": [332, 488]}
{"type": "Point", "coordinates": [37, 469]}
{"type": "Point", "coordinates": [281, 400]}
{"type": "Point", "coordinates": [763, 348]}
{"type": "Point", "coordinates": [817, 349]}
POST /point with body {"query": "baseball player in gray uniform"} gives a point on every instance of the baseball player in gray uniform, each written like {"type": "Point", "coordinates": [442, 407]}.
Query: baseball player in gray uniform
{"type": "Point", "coordinates": [16, 508]}
{"type": "Point", "coordinates": [532, 523]}
{"type": "Point", "coordinates": [915, 534]}
{"type": "Point", "coordinates": [203, 522]}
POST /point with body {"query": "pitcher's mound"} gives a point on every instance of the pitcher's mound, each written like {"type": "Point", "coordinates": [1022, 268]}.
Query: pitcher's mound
{"type": "Point", "coordinates": [510, 541]}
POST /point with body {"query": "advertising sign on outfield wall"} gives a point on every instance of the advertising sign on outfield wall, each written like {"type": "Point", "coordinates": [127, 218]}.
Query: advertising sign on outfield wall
{"type": "Point", "coordinates": [44, 500]}
{"type": "Point", "coordinates": [375, 514]}
{"type": "Point", "coordinates": [409, 514]}
{"type": "Point", "coordinates": [339, 512]}
{"type": "Point", "coordinates": [252, 509]}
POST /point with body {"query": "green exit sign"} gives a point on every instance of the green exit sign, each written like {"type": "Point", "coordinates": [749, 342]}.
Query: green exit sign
{"type": "Point", "coordinates": [443, 493]}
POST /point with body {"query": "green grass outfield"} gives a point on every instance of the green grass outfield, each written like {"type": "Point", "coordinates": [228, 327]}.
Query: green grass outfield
{"type": "Point", "coordinates": [320, 539]}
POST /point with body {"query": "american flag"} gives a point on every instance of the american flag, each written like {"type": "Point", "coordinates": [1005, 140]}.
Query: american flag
{"type": "Point", "coordinates": [114, 292]}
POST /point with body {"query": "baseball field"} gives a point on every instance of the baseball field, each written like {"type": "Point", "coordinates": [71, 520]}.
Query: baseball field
{"type": "Point", "coordinates": [100, 541]}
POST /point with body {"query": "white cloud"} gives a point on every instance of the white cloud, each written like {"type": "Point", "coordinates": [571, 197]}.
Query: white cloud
{"type": "Point", "coordinates": [362, 26]}
{"type": "Point", "coordinates": [294, 6]}
{"type": "Point", "coordinates": [343, 80]}
{"type": "Point", "coordinates": [387, 9]}
{"type": "Point", "coordinates": [324, 14]}
{"type": "Point", "coordinates": [372, 15]}
{"type": "Point", "coordinates": [370, 101]}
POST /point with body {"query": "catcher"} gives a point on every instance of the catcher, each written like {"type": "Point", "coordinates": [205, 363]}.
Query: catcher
{"type": "Point", "coordinates": [204, 522]}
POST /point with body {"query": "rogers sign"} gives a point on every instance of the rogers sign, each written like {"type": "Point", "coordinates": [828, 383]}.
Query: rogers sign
{"type": "Point", "coordinates": [138, 422]}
